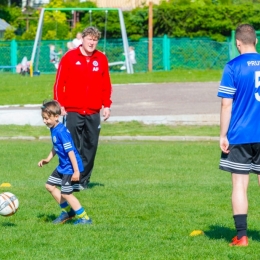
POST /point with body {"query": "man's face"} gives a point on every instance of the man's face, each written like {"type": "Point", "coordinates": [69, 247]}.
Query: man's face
{"type": "Point", "coordinates": [89, 44]}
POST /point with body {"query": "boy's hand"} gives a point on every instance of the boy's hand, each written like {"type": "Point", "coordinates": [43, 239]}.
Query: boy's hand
{"type": "Point", "coordinates": [75, 176]}
{"type": "Point", "coordinates": [42, 162]}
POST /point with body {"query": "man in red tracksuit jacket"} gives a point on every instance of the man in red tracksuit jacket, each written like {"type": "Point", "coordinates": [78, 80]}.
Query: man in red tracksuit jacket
{"type": "Point", "coordinates": [82, 88]}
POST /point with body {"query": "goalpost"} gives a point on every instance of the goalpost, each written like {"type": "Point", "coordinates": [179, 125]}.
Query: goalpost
{"type": "Point", "coordinates": [36, 47]}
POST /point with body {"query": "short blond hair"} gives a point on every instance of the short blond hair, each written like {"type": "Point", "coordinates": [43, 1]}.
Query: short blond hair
{"type": "Point", "coordinates": [92, 31]}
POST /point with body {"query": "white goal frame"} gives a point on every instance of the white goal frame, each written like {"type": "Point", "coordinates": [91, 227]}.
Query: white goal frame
{"type": "Point", "coordinates": [35, 51]}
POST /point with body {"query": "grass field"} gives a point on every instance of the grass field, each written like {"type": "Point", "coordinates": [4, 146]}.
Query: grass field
{"type": "Point", "coordinates": [118, 129]}
{"type": "Point", "coordinates": [16, 89]}
{"type": "Point", "coordinates": [145, 199]}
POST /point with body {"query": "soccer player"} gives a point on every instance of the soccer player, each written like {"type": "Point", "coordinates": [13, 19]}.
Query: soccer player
{"type": "Point", "coordinates": [240, 124]}
{"type": "Point", "coordinates": [83, 88]}
{"type": "Point", "coordinates": [67, 173]}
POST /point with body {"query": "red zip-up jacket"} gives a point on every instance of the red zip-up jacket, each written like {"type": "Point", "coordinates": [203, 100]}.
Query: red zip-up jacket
{"type": "Point", "coordinates": [83, 83]}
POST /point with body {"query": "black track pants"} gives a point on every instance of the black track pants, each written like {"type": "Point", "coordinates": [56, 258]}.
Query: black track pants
{"type": "Point", "coordinates": [85, 131]}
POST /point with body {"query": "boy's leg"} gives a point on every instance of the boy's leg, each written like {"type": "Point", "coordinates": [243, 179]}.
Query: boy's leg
{"type": "Point", "coordinates": [56, 180]}
{"type": "Point", "coordinates": [67, 195]}
{"type": "Point", "coordinates": [55, 192]}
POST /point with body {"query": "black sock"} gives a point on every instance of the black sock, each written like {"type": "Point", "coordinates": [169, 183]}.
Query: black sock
{"type": "Point", "coordinates": [241, 225]}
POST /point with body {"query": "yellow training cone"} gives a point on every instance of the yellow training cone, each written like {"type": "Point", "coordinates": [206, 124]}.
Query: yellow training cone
{"type": "Point", "coordinates": [5, 184]}
{"type": "Point", "coordinates": [196, 233]}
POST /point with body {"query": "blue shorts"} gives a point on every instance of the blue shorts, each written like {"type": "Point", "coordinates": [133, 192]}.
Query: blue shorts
{"type": "Point", "coordinates": [63, 181]}
{"type": "Point", "coordinates": [242, 158]}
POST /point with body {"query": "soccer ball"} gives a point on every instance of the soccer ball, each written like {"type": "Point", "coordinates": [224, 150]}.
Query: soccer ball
{"type": "Point", "coordinates": [8, 204]}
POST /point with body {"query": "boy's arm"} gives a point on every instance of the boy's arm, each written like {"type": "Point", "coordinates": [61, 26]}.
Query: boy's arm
{"type": "Point", "coordinates": [75, 176]}
{"type": "Point", "coordinates": [47, 160]}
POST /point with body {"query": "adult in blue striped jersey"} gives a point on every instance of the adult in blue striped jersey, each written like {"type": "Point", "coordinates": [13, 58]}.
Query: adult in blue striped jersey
{"type": "Point", "coordinates": [67, 173]}
{"type": "Point", "coordinates": [240, 124]}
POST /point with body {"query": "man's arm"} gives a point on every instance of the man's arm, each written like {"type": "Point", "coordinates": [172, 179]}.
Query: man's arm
{"type": "Point", "coordinates": [225, 116]}
{"type": "Point", "coordinates": [106, 91]}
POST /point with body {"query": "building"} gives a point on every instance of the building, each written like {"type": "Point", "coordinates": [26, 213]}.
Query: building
{"type": "Point", "coordinates": [3, 26]}
{"type": "Point", "coordinates": [124, 4]}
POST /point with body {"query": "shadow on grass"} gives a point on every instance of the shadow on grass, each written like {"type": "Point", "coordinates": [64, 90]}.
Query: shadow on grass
{"type": "Point", "coordinates": [220, 232]}
{"type": "Point", "coordinates": [47, 217]}
{"type": "Point", "coordinates": [8, 224]}
{"type": "Point", "coordinates": [92, 185]}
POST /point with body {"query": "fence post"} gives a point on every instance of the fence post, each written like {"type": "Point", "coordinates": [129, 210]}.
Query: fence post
{"type": "Point", "coordinates": [13, 54]}
{"type": "Point", "coordinates": [234, 51]}
{"type": "Point", "coordinates": [166, 52]}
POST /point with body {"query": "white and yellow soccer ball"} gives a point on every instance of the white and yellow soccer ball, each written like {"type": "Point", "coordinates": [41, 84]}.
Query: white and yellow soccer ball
{"type": "Point", "coordinates": [9, 204]}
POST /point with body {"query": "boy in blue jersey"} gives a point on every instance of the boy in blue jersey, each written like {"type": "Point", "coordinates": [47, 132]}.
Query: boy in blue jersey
{"type": "Point", "coordinates": [67, 173]}
{"type": "Point", "coordinates": [240, 124]}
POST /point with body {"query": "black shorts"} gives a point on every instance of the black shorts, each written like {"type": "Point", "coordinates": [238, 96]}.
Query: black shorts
{"type": "Point", "coordinates": [64, 181]}
{"type": "Point", "coordinates": [242, 158]}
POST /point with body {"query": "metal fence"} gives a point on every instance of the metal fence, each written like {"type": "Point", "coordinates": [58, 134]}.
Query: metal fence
{"type": "Point", "coordinates": [168, 53]}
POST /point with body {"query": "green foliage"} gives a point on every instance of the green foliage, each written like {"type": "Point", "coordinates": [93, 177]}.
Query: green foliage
{"type": "Point", "coordinates": [176, 18]}
{"type": "Point", "coordinates": [29, 34]}
{"type": "Point", "coordinates": [137, 23]}
{"type": "Point", "coordinates": [211, 20]}
{"type": "Point", "coordinates": [56, 4]}
{"type": "Point", "coordinates": [9, 34]}
{"type": "Point", "coordinates": [5, 14]}
{"type": "Point", "coordinates": [55, 30]}
{"type": "Point", "coordinates": [106, 22]}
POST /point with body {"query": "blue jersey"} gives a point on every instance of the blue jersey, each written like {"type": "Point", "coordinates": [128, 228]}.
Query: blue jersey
{"type": "Point", "coordinates": [63, 143]}
{"type": "Point", "coordinates": [241, 82]}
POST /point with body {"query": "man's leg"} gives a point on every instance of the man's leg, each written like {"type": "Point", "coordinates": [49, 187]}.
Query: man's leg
{"type": "Point", "coordinates": [240, 207]}
{"type": "Point", "coordinates": [89, 145]}
{"type": "Point", "coordinates": [75, 123]}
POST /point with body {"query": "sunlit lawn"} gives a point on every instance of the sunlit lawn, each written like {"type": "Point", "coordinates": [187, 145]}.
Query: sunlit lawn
{"type": "Point", "coordinates": [145, 199]}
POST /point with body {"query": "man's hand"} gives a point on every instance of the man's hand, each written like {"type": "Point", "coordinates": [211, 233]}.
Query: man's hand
{"type": "Point", "coordinates": [63, 111]}
{"type": "Point", "coordinates": [224, 144]}
{"type": "Point", "coordinates": [106, 113]}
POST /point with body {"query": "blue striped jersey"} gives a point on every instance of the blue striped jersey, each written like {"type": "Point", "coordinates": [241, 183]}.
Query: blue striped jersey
{"type": "Point", "coordinates": [63, 143]}
{"type": "Point", "coordinates": [241, 82]}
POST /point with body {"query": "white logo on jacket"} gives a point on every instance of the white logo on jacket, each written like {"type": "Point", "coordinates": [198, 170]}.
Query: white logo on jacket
{"type": "Point", "coordinates": [78, 63]}
{"type": "Point", "coordinates": [95, 63]}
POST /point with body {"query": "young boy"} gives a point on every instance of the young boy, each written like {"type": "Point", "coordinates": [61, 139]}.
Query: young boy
{"type": "Point", "coordinates": [68, 170]}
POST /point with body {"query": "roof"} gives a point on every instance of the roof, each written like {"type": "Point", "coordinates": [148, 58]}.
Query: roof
{"type": "Point", "coordinates": [3, 25]}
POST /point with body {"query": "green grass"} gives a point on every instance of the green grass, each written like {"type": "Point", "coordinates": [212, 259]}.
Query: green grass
{"type": "Point", "coordinates": [118, 129]}
{"type": "Point", "coordinates": [145, 199]}
{"type": "Point", "coordinates": [16, 89]}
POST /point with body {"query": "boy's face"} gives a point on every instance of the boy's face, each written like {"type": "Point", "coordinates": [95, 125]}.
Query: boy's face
{"type": "Point", "coordinates": [50, 121]}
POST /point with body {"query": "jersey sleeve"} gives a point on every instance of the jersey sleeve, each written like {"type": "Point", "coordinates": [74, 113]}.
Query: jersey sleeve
{"type": "Point", "coordinates": [227, 87]}
{"type": "Point", "coordinates": [65, 139]}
